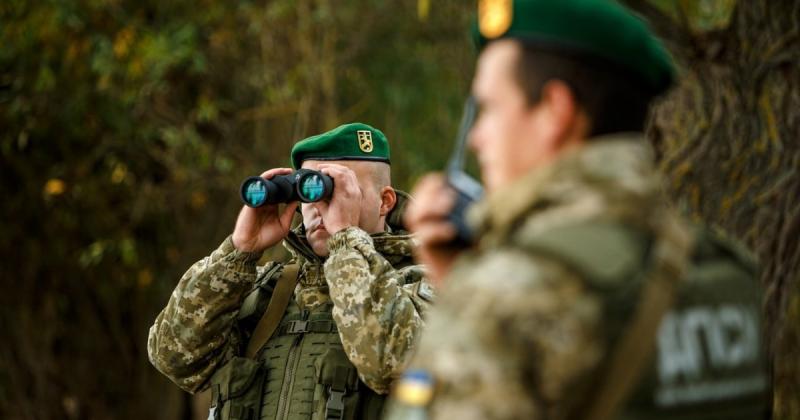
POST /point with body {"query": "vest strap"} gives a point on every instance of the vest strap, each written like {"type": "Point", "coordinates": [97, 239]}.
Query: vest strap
{"type": "Point", "coordinates": [634, 348]}
{"type": "Point", "coordinates": [277, 307]}
{"type": "Point", "coordinates": [303, 326]}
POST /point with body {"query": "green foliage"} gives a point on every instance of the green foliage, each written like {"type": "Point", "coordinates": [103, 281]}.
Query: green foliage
{"type": "Point", "coordinates": [125, 129]}
{"type": "Point", "coordinates": [699, 15]}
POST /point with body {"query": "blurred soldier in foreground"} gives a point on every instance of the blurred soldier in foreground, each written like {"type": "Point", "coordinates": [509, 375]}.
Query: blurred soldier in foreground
{"type": "Point", "coordinates": [553, 314]}
{"type": "Point", "coordinates": [319, 337]}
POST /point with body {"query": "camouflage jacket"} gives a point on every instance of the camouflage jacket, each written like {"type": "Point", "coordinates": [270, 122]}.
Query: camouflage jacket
{"type": "Point", "coordinates": [516, 333]}
{"type": "Point", "coordinates": [378, 308]}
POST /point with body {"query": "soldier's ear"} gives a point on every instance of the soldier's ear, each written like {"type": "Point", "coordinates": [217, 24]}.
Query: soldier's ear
{"type": "Point", "coordinates": [559, 101]}
{"type": "Point", "coordinates": [564, 115]}
{"type": "Point", "coordinates": [388, 200]}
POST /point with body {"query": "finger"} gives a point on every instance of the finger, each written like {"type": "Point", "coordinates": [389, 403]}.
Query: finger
{"type": "Point", "coordinates": [275, 172]}
{"type": "Point", "coordinates": [253, 213]}
{"type": "Point", "coordinates": [431, 182]}
{"type": "Point", "coordinates": [428, 215]}
{"type": "Point", "coordinates": [288, 213]}
{"type": "Point", "coordinates": [429, 188]}
{"type": "Point", "coordinates": [337, 172]}
{"type": "Point", "coordinates": [431, 207]}
{"type": "Point", "coordinates": [344, 178]}
{"type": "Point", "coordinates": [420, 224]}
{"type": "Point", "coordinates": [432, 215]}
{"type": "Point", "coordinates": [433, 234]}
{"type": "Point", "coordinates": [333, 166]}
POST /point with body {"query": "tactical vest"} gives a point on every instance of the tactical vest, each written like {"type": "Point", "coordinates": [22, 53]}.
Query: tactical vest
{"type": "Point", "coordinates": [709, 363]}
{"type": "Point", "coordinates": [301, 373]}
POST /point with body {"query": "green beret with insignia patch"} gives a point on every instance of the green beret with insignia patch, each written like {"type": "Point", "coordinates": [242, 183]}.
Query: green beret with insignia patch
{"type": "Point", "coordinates": [599, 28]}
{"type": "Point", "coordinates": [354, 141]}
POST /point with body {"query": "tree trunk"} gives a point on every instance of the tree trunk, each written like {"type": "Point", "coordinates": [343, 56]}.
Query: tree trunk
{"type": "Point", "coordinates": [727, 137]}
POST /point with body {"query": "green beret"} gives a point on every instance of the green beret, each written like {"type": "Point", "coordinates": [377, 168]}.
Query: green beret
{"type": "Point", "coordinates": [354, 141]}
{"type": "Point", "coordinates": [600, 28]}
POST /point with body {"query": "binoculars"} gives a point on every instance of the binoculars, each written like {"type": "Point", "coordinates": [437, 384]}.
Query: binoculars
{"type": "Point", "coordinates": [303, 185]}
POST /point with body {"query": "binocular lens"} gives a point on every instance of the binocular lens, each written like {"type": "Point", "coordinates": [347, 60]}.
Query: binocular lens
{"type": "Point", "coordinates": [254, 191]}
{"type": "Point", "coordinates": [312, 187]}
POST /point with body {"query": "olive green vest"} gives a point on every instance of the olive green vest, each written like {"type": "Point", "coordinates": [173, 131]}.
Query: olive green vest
{"type": "Point", "coordinates": [301, 373]}
{"type": "Point", "coordinates": [709, 362]}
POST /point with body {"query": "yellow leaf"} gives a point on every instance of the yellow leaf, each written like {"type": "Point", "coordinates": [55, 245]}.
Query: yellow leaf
{"type": "Point", "coordinates": [54, 186]}
{"type": "Point", "coordinates": [122, 42]}
{"type": "Point", "coordinates": [119, 173]}
{"type": "Point", "coordinates": [423, 9]}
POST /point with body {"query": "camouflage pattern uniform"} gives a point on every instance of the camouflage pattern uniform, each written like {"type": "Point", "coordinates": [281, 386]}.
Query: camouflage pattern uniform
{"type": "Point", "coordinates": [377, 297]}
{"type": "Point", "coordinates": [518, 334]}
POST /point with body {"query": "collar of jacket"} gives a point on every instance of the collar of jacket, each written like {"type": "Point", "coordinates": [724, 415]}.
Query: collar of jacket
{"type": "Point", "coordinates": [605, 178]}
{"type": "Point", "coordinates": [395, 244]}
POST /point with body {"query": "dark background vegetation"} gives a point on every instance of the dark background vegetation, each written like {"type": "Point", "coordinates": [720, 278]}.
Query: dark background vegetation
{"type": "Point", "coordinates": [126, 127]}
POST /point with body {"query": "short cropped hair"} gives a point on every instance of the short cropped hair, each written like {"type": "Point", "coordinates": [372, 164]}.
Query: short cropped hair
{"type": "Point", "coordinates": [614, 99]}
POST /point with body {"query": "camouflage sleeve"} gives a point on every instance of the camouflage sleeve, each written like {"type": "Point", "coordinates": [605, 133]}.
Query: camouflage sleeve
{"type": "Point", "coordinates": [377, 312]}
{"type": "Point", "coordinates": [189, 338]}
{"type": "Point", "coordinates": [509, 337]}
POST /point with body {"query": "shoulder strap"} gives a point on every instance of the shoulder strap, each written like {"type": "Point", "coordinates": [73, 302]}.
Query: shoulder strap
{"type": "Point", "coordinates": [634, 348]}
{"type": "Point", "coordinates": [604, 253]}
{"type": "Point", "coordinates": [277, 307]}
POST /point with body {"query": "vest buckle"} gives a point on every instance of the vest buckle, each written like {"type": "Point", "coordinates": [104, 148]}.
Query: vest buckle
{"type": "Point", "coordinates": [297, 327]}
{"type": "Point", "coordinates": [334, 407]}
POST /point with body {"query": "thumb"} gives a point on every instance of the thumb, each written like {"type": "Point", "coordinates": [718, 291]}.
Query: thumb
{"type": "Point", "coordinates": [288, 213]}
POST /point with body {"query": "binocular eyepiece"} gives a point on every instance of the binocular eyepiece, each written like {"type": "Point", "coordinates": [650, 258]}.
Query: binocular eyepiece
{"type": "Point", "coordinates": [303, 185]}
